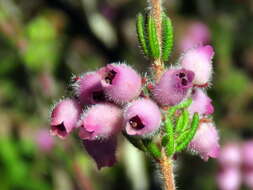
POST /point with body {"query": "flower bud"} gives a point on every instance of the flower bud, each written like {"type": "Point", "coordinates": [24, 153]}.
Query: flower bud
{"type": "Point", "coordinates": [197, 33]}
{"type": "Point", "coordinates": [206, 141]}
{"type": "Point", "coordinates": [64, 117]}
{"type": "Point", "coordinates": [142, 117]}
{"type": "Point", "coordinates": [88, 88]}
{"type": "Point", "coordinates": [173, 86]}
{"type": "Point", "coordinates": [229, 179]}
{"type": "Point", "coordinates": [121, 83]}
{"type": "Point", "coordinates": [102, 151]}
{"type": "Point", "coordinates": [201, 103]}
{"type": "Point", "coordinates": [101, 121]}
{"type": "Point", "coordinates": [247, 154]}
{"type": "Point", "coordinates": [199, 60]}
{"type": "Point", "coordinates": [230, 155]}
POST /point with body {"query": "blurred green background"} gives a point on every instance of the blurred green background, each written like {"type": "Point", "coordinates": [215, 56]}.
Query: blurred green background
{"type": "Point", "coordinates": [43, 43]}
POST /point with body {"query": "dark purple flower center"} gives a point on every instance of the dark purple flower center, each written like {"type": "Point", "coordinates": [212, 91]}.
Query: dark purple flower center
{"type": "Point", "coordinates": [98, 96]}
{"type": "Point", "coordinates": [110, 76]}
{"type": "Point", "coordinates": [60, 129]}
{"type": "Point", "coordinates": [183, 78]}
{"type": "Point", "coordinates": [136, 123]}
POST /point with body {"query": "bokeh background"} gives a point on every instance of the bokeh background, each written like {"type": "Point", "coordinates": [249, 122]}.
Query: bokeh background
{"type": "Point", "coordinates": [44, 43]}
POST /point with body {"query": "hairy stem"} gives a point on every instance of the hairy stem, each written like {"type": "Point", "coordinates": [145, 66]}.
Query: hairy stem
{"type": "Point", "coordinates": [166, 165]}
{"type": "Point", "coordinates": [156, 11]}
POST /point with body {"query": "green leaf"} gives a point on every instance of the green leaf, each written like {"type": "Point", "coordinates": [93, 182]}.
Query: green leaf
{"type": "Point", "coordinates": [167, 36]}
{"type": "Point", "coordinates": [190, 135]}
{"type": "Point", "coordinates": [152, 148]}
{"type": "Point", "coordinates": [182, 122]}
{"type": "Point", "coordinates": [152, 38]}
{"type": "Point", "coordinates": [140, 28]}
{"type": "Point", "coordinates": [169, 131]}
{"type": "Point", "coordinates": [182, 105]}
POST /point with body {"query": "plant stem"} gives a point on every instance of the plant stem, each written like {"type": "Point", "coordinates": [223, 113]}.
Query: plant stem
{"type": "Point", "coordinates": [166, 165]}
{"type": "Point", "coordinates": [156, 11]}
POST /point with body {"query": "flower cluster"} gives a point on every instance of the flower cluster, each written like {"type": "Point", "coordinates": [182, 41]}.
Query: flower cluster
{"type": "Point", "coordinates": [117, 99]}
{"type": "Point", "coordinates": [236, 165]}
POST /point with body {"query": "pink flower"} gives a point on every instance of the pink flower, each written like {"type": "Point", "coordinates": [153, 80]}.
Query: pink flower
{"type": "Point", "coordinates": [142, 117]}
{"type": "Point", "coordinates": [173, 86]}
{"type": "Point", "coordinates": [199, 60]}
{"type": "Point", "coordinates": [206, 141]}
{"type": "Point", "coordinates": [44, 140]}
{"type": "Point", "coordinates": [229, 179]}
{"type": "Point", "coordinates": [101, 121]}
{"type": "Point", "coordinates": [198, 33]}
{"type": "Point", "coordinates": [121, 83]}
{"type": "Point", "coordinates": [64, 117]}
{"type": "Point", "coordinates": [102, 151]}
{"type": "Point", "coordinates": [247, 154]}
{"type": "Point", "coordinates": [201, 103]}
{"type": "Point", "coordinates": [230, 155]}
{"type": "Point", "coordinates": [88, 88]}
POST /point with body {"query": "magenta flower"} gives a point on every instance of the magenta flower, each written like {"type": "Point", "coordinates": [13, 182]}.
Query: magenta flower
{"type": "Point", "coordinates": [102, 151]}
{"type": "Point", "coordinates": [44, 140]}
{"type": "Point", "coordinates": [230, 155]}
{"type": "Point", "coordinates": [101, 121]}
{"type": "Point", "coordinates": [201, 103]}
{"type": "Point", "coordinates": [197, 33]}
{"type": "Point", "coordinates": [173, 86]}
{"type": "Point", "coordinates": [229, 179]}
{"type": "Point", "coordinates": [199, 60]}
{"type": "Point", "coordinates": [64, 117]}
{"type": "Point", "coordinates": [142, 117]}
{"type": "Point", "coordinates": [121, 83]}
{"type": "Point", "coordinates": [247, 154]}
{"type": "Point", "coordinates": [88, 88]}
{"type": "Point", "coordinates": [206, 141]}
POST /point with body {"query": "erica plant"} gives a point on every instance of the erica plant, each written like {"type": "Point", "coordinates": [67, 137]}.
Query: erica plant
{"type": "Point", "coordinates": [162, 114]}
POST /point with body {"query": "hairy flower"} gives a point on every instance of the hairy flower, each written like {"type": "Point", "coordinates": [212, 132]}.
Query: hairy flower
{"type": "Point", "coordinates": [173, 86]}
{"type": "Point", "coordinates": [64, 117]}
{"type": "Point", "coordinates": [142, 117]}
{"type": "Point", "coordinates": [102, 151]}
{"type": "Point", "coordinates": [206, 141]}
{"type": "Point", "coordinates": [88, 88]}
{"type": "Point", "coordinates": [121, 83]}
{"type": "Point", "coordinates": [197, 33]}
{"type": "Point", "coordinates": [101, 121]}
{"type": "Point", "coordinates": [199, 60]}
{"type": "Point", "coordinates": [201, 103]}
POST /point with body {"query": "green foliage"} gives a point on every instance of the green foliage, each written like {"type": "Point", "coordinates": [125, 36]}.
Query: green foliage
{"type": "Point", "coordinates": [153, 38]}
{"type": "Point", "coordinates": [167, 37]}
{"type": "Point", "coordinates": [177, 135]}
{"type": "Point", "coordinates": [152, 148]}
{"type": "Point", "coordinates": [185, 141]}
{"type": "Point", "coordinates": [140, 27]}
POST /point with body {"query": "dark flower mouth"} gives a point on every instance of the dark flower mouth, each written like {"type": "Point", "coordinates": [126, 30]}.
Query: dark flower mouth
{"type": "Point", "coordinates": [182, 76]}
{"type": "Point", "coordinates": [60, 129]}
{"type": "Point", "coordinates": [98, 96]}
{"type": "Point", "coordinates": [110, 76]}
{"type": "Point", "coordinates": [136, 123]}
